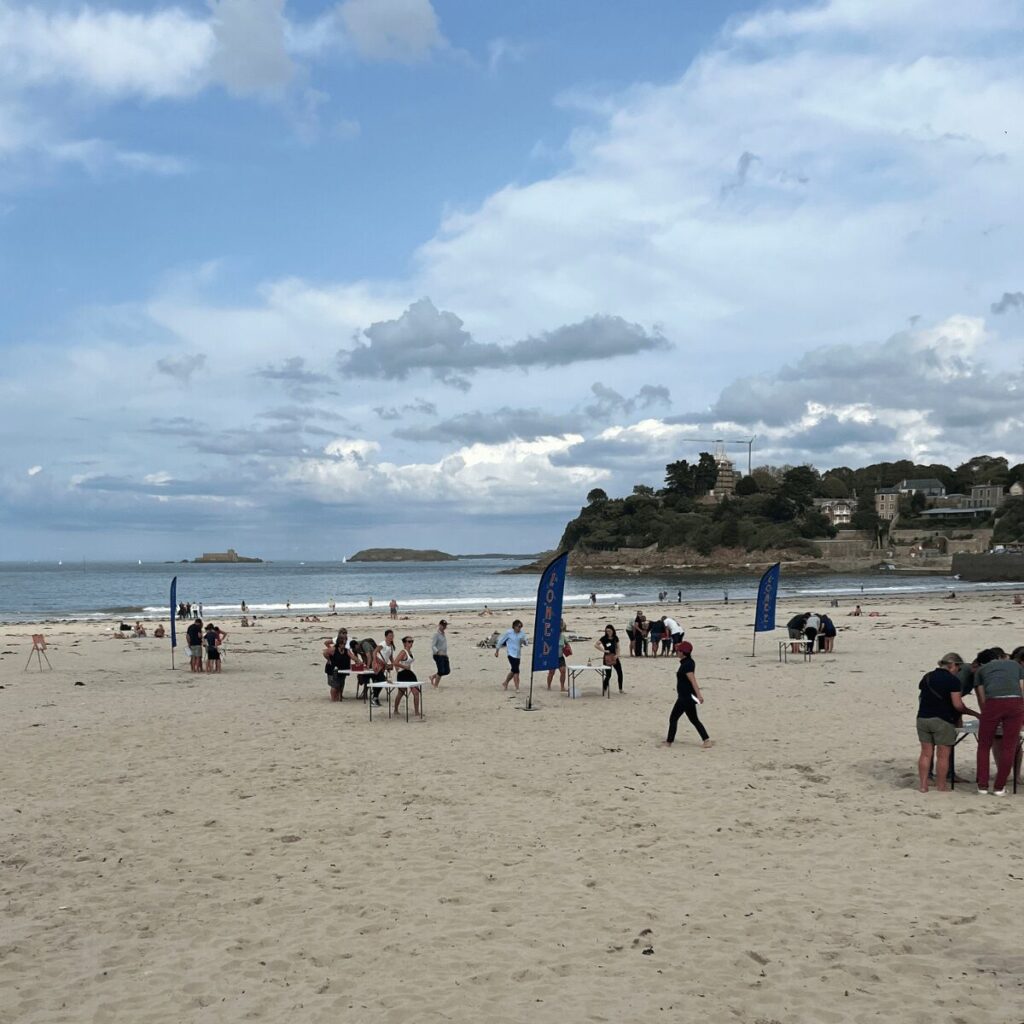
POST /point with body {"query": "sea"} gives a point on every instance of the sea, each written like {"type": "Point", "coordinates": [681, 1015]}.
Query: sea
{"type": "Point", "coordinates": [37, 591]}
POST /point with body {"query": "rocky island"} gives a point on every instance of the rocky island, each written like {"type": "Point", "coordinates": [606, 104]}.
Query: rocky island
{"type": "Point", "coordinates": [231, 555]}
{"type": "Point", "coordinates": [401, 555]}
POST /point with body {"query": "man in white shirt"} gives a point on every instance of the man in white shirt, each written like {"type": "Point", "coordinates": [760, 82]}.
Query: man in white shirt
{"type": "Point", "coordinates": [673, 629]}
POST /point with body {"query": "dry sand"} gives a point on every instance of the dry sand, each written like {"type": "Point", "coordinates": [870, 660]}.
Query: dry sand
{"type": "Point", "coordinates": [182, 848]}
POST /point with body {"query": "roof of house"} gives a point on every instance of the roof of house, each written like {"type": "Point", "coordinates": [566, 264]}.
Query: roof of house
{"type": "Point", "coordinates": [928, 483]}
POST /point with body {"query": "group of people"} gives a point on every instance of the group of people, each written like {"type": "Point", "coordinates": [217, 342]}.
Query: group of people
{"type": "Point", "coordinates": [208, 639]}
{"type": "Point", "coordinates": [382, 662]}
{"type": "Point", "coordinates": [654, 637]}
{"type": "Point", "coordinates": [185, 610]}
{"type": "Point", "coordinates": [997, 681]}
{"type": "Point", "coordinates": [816, 628]}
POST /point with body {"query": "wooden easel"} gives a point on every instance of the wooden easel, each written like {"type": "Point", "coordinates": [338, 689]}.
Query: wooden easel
{"type": "Point", "coordinates": [39, 650]}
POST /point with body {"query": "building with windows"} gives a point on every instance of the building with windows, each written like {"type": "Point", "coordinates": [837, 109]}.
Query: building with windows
{"type": "Point", "coordinates": [887, 502]}
{"type": "Point", "coordinates": [839, 511]}
{"type": "Point", "coordinates": [985, 496]}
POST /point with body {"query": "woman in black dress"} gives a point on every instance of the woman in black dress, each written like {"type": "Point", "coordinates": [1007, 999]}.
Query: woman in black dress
{"type": "Point", "coordinates": [609, 644]}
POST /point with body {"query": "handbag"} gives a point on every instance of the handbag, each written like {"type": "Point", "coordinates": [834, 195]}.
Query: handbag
{"type": "Point", "coordinates": [610, 659]}
{"type": "Point", "coordinates": [567, 649]}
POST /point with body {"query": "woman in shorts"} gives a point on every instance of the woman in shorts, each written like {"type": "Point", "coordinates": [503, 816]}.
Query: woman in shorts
{"type": "Point", "coordinates": [608, 643]}
{"type": "Point", "coordinates": [404, 674]}
{"type": "Point", "coordinates": [938, 711]}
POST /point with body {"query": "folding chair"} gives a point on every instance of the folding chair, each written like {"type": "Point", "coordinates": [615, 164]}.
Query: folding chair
{"type": "Point", "coordinates": [39, 650]}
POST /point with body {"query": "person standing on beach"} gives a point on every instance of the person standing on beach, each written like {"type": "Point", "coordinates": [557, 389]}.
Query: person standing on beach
{"type": "Point", "coordinates": [382, 661]}
{"type": "Point", "coordinates": [439, 649]}
{"type": "Point", "coordinates": [512, 640]}
{"type": "Point", "coordinates": [393, 608]}
{"type": "Point", "coordinates": [341, 663]}
{"type": "Point", "coordinates": [608, 643]}
{"type": "Point", "coordinates": [999, 685]}
{"type": "Point", "coordinates": [938, 711]}
{"type": "Point", "coordinates": [564, 649]}
{"type": "Point", "coordinates": [194, 635]}
{"type": "Point", "coordinates": [688, 698]}
{"type": "Point", "coordinates": [212, 639]}
{"type": "Point", "coordinates": [405, 674]}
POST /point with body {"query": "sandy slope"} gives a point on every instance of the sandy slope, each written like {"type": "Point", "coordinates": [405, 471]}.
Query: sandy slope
{"type": "Point", "coordinates": [193, 848]}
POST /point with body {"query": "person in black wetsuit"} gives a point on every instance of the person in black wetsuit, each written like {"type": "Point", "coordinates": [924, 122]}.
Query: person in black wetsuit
{"type": "Point", "coordinates": [688, 697]}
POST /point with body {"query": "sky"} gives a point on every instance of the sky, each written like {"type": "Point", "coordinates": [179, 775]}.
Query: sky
{"type": "Point", "coordinates": [304, 277]}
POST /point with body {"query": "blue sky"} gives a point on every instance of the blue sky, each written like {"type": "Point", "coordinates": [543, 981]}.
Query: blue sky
{"type": "Point", "coordinates": [304, 277]}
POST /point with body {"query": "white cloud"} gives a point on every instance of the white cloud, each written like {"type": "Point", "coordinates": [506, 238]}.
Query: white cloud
{"type": "Point", "coordinates": [163, 53]}
{"type": "Point", "coordinates": [35, 470]}
{"type": "Point", "coordinates": [401, 30]}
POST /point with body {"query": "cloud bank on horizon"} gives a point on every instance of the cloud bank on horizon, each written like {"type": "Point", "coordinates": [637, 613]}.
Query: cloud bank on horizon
{"type": "Point", "coordinates": [806, 230]}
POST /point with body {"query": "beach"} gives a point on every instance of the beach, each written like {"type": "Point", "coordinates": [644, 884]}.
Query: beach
{"type": "Point", "coordinates": [235, 847]}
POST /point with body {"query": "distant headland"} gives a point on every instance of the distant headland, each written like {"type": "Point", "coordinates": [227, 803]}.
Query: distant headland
{"type": "Point", "coordinates": [231, 555]}
{"type": "Point", "coordinates": [401, 555]}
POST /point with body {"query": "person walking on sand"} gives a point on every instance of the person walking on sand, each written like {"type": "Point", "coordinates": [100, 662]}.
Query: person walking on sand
{"type": "Point", "coordinates": [512, 640]}
{"type": "Point", "coordinates": [393, 608]}
{"type": "Point", "coordinates": [688, 698]}
{"type": "Point", "coordinates": [439, 649]}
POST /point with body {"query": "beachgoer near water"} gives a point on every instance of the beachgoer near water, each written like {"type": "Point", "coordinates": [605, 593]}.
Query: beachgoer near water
{"type": "Point", "coordinates": [245, 607]}
{"type": "Point", "coordinates": [608, 642]}
{"type": "Point", "coordinates": [194, 635]}
{"type": "Point", "coordinates": [392, 608]}
{"type": "Point", "coordinates": [486, 611]}
{"type": "Point", "coordinates": [140, 629]}
{"type": "Point", "coordinates": [938, 713]}
{"type": "Point", "coordinates": [857, 611]}
{"type": "Point", "coordinates": [404, 674]}
{"type": "Point", "coordinates": [212, 652]}
{"type": "Point", "coordinates": [564, 649]}
{"type": "Point", "coordinates": [688, 697]}
{"type": "Point", "coordinates": [593, 598]}
{"type": "Point", "coordinates": [999, 685]}
{"type": "Point", "coordinates": [331, 607]}
{"type": "Point", "coordinates": [159, 631]}
{"type": "Point", "coordinates": [439, 649]}
{"type": "Point", "coordinates": [512, 640]}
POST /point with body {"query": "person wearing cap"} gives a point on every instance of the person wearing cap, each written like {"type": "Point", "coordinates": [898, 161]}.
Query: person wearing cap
{"type": "Point", "coordinates": [999, 685]}
{"type": "Point", "coordinates": [688, 697]}
{"type": "Point", "coordinates": [439, 649]}
{"type": "Point", "coordinates": [939, 709]}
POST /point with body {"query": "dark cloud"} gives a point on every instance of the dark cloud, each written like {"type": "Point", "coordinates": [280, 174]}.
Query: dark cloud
{"type": "Point", "coordinates": [425, 338]}
{"type": "Point", "coordinates": [418, 405]}
{"type": "Point", "coordinates": [292, 374]}
{"type": "Point", "coordinates": [494, 426]}
{"type": "Point", "coordinates": [1010, 300]}
{"type": "Point", "coordinates": [610, 402]}
{"type": "Point", "coordinates": [181, 368]}
{"type": "Point", "coordinates": [178, 426]}
{"type": "Point", "coordinates": [739, 179]}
